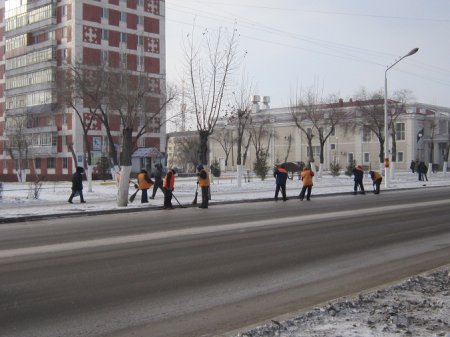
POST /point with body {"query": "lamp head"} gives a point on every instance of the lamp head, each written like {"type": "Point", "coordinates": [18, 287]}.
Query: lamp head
{"type": "Point", "coordinates": [413, 51]}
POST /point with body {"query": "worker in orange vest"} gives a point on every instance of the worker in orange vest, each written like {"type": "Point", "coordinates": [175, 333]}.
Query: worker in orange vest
{"type": "Point", "coordinates": [168, 186]}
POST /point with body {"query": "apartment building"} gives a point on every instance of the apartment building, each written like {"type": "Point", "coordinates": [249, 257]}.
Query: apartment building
{"type": "Point", "coordinates": [40, 137]}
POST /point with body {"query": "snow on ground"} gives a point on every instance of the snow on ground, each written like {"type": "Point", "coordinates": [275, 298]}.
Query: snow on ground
{"type": "Point", "coordinates": [17, 199]}
{"type": "Point", "coordinates": [420, 306]}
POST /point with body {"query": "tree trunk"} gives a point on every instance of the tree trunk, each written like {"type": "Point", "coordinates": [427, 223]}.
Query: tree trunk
{"type": "Point", "coordinates": [203, 155]}
{"type": "Point", "coordinates": [90, 168]}
{"type": "Point", "coordinates": [124, 183]}
{"type": "Point", "coordinates": [239, 171]}
{"type": "Point", "coordinates": [445, 167]}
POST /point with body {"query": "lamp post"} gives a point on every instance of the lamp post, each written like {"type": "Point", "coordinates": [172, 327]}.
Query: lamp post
{"type": "Point", "coordinates": [386, 128]}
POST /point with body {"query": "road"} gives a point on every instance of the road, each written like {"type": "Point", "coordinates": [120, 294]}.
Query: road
{"type": "Point", "coordinates": [193, 272]}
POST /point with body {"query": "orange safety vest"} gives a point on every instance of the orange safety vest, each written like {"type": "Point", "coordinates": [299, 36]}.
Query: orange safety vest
{"type": "Point", "coordinates": [169, 181]}
{"type": "Point", "coordinates": [203, 182]}
{"type": "Point", "coordinates": [307, 177]}
{"type": "Point", "coordinates": [142, 182]}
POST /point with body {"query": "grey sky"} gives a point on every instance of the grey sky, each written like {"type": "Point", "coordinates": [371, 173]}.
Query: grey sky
{"type": "Point", "coordinates": [338, 46]}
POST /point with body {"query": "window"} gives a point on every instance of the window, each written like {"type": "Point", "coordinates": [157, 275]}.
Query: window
{"type": "Point", "coordinates": [105, 34]}
{"type": "Point", "coordinates": [65, 163]}
{"type": "Point", "coordinates": [123, 37]}
{"type": "Point", "coordinates": [140, 20]}
{"type": "Point", "coordinates": [64, 10]}
{"type": "Point", "coordinates": [104, 56]}
{"type": "Point", "coordinates": [105, 13]}
{"type": "Point", "coordinates": [366, 134]}
{"type": "Point", "coordinates": [442, 127]}
{"type": "Point", "coordinates": [315, 149]}
{"type": "Point", "coordinates": [332, 146]}
{"type": "Point", "coordinates": [366, 157]}
{"type": "Point", "coordinates": [400, 131]}
{"type": "Point", "coordinates": [37, 163]}
{"type": "Point", "coordinates": [350, 158]}
{"type": "Point", "coordinates": [399, 156]}
{"type": "Point", "coordinates": [123, 16]}
{"type": "Point", "coordinates": [50, 163]}
{"type": "Point", "coordinates": [141, 40]}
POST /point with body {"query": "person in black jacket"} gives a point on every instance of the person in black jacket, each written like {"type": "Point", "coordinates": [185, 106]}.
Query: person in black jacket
{"type": "Point", "coordinates": [77, 185]}
{"type": "Point", "coordinates": [157, 174]}
{"type": "Point", "coordinates": [358, 172]}
{"type": "Point", "coordinates": [281, 176]}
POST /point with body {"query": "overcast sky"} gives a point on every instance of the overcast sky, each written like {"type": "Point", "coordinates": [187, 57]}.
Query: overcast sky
{"type": "Point", "coordinates": [338, 46]}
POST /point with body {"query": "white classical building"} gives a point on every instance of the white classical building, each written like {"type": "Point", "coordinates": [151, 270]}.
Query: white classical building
{"type": "Point", "coordinates": [422, 132]}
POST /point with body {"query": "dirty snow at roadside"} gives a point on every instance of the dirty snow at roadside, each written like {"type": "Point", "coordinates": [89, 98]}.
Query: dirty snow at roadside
{"type": "Point", "coordinates": [419, 306]}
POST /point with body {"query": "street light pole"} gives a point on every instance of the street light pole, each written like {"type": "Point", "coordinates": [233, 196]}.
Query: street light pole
{"type": "Point", "coordinates": [386, 127]}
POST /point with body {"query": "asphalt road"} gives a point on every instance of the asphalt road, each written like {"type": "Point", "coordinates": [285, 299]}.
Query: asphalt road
{"type": "Point", "coordinates": [193, 272]}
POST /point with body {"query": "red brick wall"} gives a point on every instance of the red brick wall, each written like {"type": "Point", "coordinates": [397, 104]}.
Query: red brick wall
{"type": "Point", "coordinates": [92, 13]}
{"type": "Point", "coordinates": [151, 25]}
{"type": "Point", "coordinates": [114, 17]}
{"type": "Point", "coordinates": [91, 56]}
{"type": "Point", "coordinates": [114, 38]}
{"type": "Point", "coordinates": [152, 65]}
{"type": "Point", "coordinates": [132, 21]}
{"type": "Point", "coordinates": [132, 41]}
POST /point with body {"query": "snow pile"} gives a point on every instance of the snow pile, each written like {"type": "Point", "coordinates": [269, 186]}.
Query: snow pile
{"type": "Point", "coordinates": [420, 306]}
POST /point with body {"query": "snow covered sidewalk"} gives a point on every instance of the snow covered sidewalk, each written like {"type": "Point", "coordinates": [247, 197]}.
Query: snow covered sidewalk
{"type": "Point", "coordinates": [17, 200]}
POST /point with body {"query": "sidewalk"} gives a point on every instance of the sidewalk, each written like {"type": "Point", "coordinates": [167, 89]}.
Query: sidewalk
{"type": "Point", "coordinates": [16, 203]}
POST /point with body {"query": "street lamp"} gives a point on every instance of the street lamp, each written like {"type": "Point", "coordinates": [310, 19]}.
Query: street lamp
{"type": "Point", "coordinates": [386, 137]}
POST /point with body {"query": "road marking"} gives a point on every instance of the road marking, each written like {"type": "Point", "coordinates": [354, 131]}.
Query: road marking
{"type": "Point", "coordinates": [96, 243]}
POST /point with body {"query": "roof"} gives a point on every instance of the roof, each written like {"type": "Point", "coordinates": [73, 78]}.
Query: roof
{"type": "Point", "coordinates": [147, 152]}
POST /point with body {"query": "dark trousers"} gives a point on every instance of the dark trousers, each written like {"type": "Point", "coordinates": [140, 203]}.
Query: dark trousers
{"type": "Point", "coordinates": [144, 196]}
{"type": "Point", "coordinates": [307, 190]}
{"type": "Point", "coordinates": [377, 185]}
{"type": "Point", "coordinates": [80, 192]}
{"type": "Point", "coordinates": [283, 191]}
{"type": "Point", "coordinates": [360, 184]}
{"type": "Point", "coordinates": [205, 196]}
{"type": "Point", "coordinates": [155, 188]}
{"type": "Point", "coordinates": [167, 198]}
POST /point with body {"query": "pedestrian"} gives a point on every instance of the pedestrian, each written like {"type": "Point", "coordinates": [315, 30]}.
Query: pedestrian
{"type": "Point", "coordinates": [358, 172]}
{"type": "Point", "coordinates": [307, 179]}
{"type": "Point", "coordinates": [376, 180]}
{"type": "Point", "coordinates": [144, 183]}
{"type": "Point", "coordinates": [281, 176]}
{"type": "Point", "coordinates": [423, 170]}
{"type": "Point", "coordinates": [77, 185]}
{"type": "Point", "coordinates": [412, 166]}
{"type": "Point", "coordinates": [168, 186]}
{"type": "Point", "coordinates": [203, 182]}
{"type": "Point", "coordinates": [157, 174]}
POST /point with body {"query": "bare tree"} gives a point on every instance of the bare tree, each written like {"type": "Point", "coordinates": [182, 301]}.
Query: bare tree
{"type": "Point", "coordinates": [209, 66]}
{"type": "Point", "coordinates": [303, 109]}
{"type": "Point", "coordinates": [261, 136]}
{"type": "Point", "coordinates": [241, 118]}
{"type": "Point", "coordinates": [225, 139]}
{"type": "Point", "coordinates": [17, 144]}
{"type": "Point", "coordinates": [324, 118]}
{"type": "Point", "coordinates": [80, 86]}
{"type": "Point", "coordinates": [369, 114]}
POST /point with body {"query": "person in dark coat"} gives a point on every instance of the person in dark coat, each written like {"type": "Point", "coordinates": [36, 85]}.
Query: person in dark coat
{"type": "Point", "coordinates": [281, 176]}
{"type": "Point", "coordinates": [376, 180]}
{"type": "Point", "coordinates": [423, 170]}
{"type": "Point", "coordinates": [358, 172]}
{"type": "Point", "coordinates": [77, 185]}
{"type": "Point", "coordinates": [412, 166]}
{"type": "Point", "coordinates": [157, 174]}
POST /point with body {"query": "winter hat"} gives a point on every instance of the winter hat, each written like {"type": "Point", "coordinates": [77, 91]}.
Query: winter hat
{"type": "Point", "coordinates": [200, 167]}
{"type": "Point", "coordinates": [80, 169]}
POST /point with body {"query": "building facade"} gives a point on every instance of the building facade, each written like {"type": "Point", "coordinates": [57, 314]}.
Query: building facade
{"type": "Point", "coordinates": [40, 137]}
{"type": "Point", "coordinates": [422, 132]}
